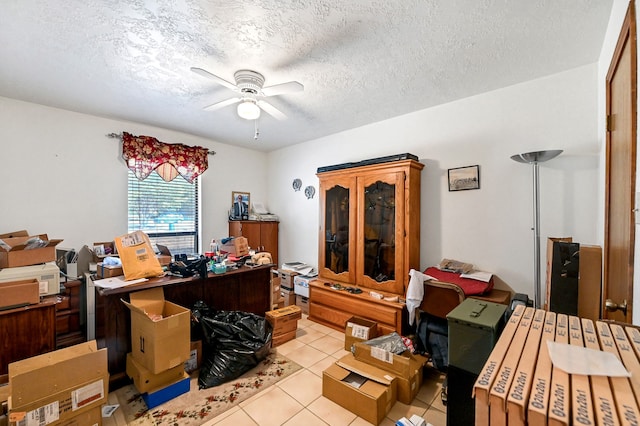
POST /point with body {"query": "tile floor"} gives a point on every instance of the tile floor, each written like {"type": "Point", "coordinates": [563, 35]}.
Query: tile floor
{"type": "Point", "coordinates": [297, 399]}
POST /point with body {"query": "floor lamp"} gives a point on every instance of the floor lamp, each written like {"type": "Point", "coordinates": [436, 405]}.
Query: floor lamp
{"type": "Point", "coordinates": [534, 158]}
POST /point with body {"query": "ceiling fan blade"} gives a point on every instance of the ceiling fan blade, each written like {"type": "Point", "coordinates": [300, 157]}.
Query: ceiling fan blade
{"type": "Point", "coordinates": [271, 110]}
{"type": "Point", "coordinates": [222, 104]}
{"type": "Point", "coordinates": [214, 77]}
{"type": "Point", "coordinates": [279, 89]}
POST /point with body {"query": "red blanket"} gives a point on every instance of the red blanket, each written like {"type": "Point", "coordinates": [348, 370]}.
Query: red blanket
{"type": "Point", "coordinates": [469, 286]}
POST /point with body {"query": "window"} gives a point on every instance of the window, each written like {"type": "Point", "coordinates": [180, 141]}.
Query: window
{"type": "Point", "coordinates": [166, 211]}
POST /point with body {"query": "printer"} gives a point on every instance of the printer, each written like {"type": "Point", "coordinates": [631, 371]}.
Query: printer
{"type": "Point", "coordinates": [47, 274]}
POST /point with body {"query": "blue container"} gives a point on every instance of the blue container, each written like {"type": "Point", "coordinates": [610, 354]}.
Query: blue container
{"type": "Point", "coordinates": [167, 393]}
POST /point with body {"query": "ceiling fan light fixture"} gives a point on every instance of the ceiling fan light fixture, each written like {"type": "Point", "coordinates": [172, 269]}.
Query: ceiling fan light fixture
{"type": "Point", "coordinates": [248, 109]}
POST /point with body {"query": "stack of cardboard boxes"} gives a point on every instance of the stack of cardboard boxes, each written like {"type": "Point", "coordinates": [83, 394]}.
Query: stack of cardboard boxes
{"type": "Point", "coordinates": [277, 300]}
{"type": "Point", "coordinates": [160, 345]}
{"type": "Point", "coordinates": [284, 322]}
{"type": "Point", "coordinates": [519, 384]}
{"type": "Point", "coordinates": [64, 387]}
{"type": "Point", "coordinates": [370, 380]}
{"type": "Point", "coordinates": [287, 286]}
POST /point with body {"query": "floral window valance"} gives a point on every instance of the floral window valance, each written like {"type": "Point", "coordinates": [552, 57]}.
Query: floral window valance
{"type": "Point", "coordinates": [144, 154]}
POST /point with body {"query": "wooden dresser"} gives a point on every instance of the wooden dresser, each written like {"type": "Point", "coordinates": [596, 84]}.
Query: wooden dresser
{"type": "Point", "coordinates": [26, 332]}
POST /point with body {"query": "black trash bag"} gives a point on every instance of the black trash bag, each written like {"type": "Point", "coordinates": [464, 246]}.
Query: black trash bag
{"type": "Point", "coordinates": [234, 342]}
{"type": "Point", "coordinates": [198, 310]}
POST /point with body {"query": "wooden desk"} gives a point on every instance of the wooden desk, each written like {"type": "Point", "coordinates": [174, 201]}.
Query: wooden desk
{"type": "Point", "coordinates": [26, 332]}
{"type": "Point", "coordinates": [245, 289]}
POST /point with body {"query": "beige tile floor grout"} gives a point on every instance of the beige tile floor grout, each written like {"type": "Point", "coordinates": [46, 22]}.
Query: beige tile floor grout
{"type": "Point", "coordinates": [297, 399]}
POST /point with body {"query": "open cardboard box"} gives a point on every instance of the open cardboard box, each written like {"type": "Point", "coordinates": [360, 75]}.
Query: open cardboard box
{"type": "Point", "coordinates": [162, 344]}
{"type": "Point", "coordinates": [359, 330]}
{"type": "Point", "coordinates": [15, 253]}
{"type": "Point", "coordinates": [372, 400]}
{"type": "Point", "coordinates": [406, 367]}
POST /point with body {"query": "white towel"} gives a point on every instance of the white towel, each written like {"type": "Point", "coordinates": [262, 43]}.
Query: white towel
{"type": "Point", "coordinates": [415, 292]}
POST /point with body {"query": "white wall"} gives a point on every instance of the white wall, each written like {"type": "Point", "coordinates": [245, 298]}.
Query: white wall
{"type": "Point", "coordinates": [62, 176]}
{"type": "Point", "coordinates": [489, 227]}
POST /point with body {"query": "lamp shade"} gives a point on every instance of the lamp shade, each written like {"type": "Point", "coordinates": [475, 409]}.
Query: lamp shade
{"type": "Point", "coordinates": [536, 156]}
{"type": "Point", "coordinates": [248, 109]}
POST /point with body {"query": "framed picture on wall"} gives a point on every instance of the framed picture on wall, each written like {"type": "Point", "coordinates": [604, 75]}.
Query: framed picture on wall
{"type": "Point", "coordinates": [240, 204]}
{"type": "Point", "coordinates": [464, 178]}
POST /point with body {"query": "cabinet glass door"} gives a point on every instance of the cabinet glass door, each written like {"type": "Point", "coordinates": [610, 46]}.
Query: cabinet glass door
{"type": "Point", "coordinates": [337, 229]}
{"type": "Point", "coordinates": [381, 229]}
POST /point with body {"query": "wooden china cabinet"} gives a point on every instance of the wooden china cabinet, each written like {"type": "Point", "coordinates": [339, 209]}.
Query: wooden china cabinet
{"type": "Point", "coordinates": [369, 239]}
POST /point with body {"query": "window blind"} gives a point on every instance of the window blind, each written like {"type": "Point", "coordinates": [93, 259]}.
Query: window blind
{"type": "Point", "coordinates": [166, 211]}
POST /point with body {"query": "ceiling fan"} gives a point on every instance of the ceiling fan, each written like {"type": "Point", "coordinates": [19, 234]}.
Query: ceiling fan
{"type": "Point", "coordinates": [249, 86]}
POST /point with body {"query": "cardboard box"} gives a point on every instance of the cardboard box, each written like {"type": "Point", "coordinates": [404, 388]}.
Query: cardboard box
{"type": "Point", "coordinates": [92, 417]}
{"type": "Point", "coordinates": [406, 367]}
{"type": "Point", "coordinates": [582, 409]}
{"type": "Point", "coordinates": [288, 296]}
{"type": "Point", "coordinates": [108, 271]}
{"type": "Point", "coordinates": [19, 293]}
{"type": "Point", "coordinates": [15, 253]}
{"type": "Point", "coordinates": [241, 246]}
{"type": "Point", "coordinates": [560, 394]}
{"type": "Point", "coordinates": [550, 242]}
{"type": "Point", "coordinates": [167, 393]}
{"type": "Point", "coordinates": [286, 278]}
{"type": "Point", "coordinates": [590, 282]}
{"type": "Point", "coordinates": [372, 400]}
{"type": "Point", "coordinates": [506, 373]}
{"type": "Point", "coordinates": [102, 249]}
{"type": "Point", "coordinates": [61, 384]}
{"type": "Point", "coordinates": [538, 404]}
{"type": "Point", "coordinates": [601, 388]}
{"type": "Point", "coordinates": [303, 303]}
{"type": "Point", "coordinates": [278, 339]}
{"type": "Point", "coordinates": [521, 386]}
{"type": "Point", "coordinates": [162, 344]}
{"type": "Point", "coordinates": [627, 345]}
{"type": "Point", "coordinates": [284, 320]}
{"type": "Point", "coordinates": [489, 371]}
{"type": "Point", "coordinates": [358, 330]}
{"type": "Point", "coordinates": [195, 357]}
{"type": "Point", "coordinates": [164, 259]}
{"type": "Point", "coordinates": [145, 380]}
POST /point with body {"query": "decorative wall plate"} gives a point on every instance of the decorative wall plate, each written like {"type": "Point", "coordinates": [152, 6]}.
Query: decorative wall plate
{"type": "Point", "coordinates": [309, 191]}
{"type": "Point", "coordinates": [297, 184]}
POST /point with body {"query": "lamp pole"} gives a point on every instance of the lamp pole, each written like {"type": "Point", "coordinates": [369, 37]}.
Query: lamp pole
{"type": "Point", "coordinates": [534, 158]}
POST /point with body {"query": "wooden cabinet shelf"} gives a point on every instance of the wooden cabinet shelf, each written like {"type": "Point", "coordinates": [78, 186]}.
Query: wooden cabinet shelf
{"type": "Point", "coordinates": [261, 235]}
{"type": "Point", "coordinates": [69, 330]}
{"type": "Point", "coordinates": [369, 238]}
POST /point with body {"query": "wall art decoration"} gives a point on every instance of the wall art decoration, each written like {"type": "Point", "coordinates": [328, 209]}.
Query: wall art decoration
{"type": "Point", "coordinates": [464, 178]}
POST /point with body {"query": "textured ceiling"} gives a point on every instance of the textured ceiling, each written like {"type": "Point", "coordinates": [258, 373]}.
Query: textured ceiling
{"type": "Point", "coordinates": [359, 61]}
